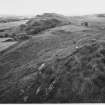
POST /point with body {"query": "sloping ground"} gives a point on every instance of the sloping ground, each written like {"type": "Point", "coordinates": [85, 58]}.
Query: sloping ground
{"type": "Point", "coordinates": [37, 48]}
{"type": "Point", "coordinates": [45, 21]}
{"type": "Point", "coordinates": [48, 67]}
{"type": "Point", "coordinates": [70, 28]}
{"type": "Point", "coordinates": [78, 77]}
{"type": "Point", "coordinates": [51, 16]}
{"type": "Point", "coordinates": [10, 28]}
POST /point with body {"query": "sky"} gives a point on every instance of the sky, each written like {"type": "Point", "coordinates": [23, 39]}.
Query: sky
{"type": "Point", "coordinates": [65, 7]}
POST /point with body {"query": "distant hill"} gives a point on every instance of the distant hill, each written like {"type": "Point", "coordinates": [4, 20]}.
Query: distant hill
{"type": "Point", "coordinates": [6, 19]}
{"type": "Point", "coordinates": [45, 21]}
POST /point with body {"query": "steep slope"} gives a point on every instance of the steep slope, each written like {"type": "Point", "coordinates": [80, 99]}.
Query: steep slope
{"type": "Point", "coordinates": [78, 77]}
{"type": "Point", "coordinates": [53, 66]}
{"type": "Point", "coordinates": [39, 47]}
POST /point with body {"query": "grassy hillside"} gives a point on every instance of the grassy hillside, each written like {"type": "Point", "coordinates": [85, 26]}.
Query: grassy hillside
{"type": "Point", "coordinates": [45, 21]}
{"type": "Point", "coordinates": [49, 67]}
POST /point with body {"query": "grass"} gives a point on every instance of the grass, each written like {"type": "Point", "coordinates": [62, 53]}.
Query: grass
{"type": "Point", "coordinates": [69, 74]}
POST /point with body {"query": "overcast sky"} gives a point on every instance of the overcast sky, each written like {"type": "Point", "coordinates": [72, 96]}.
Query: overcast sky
{"type": "Point", "coordinates": [66, 7]}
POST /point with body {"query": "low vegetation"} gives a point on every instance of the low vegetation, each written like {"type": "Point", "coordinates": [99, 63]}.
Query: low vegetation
{"type": "Point", "coordinates": [78, 77]}
{"type": "Point", "coordinates": [55, 59]}
{"type": "Point", "coordinates": [45, 21]}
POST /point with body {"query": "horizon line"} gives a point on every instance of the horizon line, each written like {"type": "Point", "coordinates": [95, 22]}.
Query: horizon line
{"type": "Point", "coordinates": [51, 12]}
